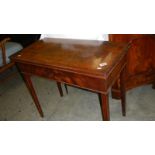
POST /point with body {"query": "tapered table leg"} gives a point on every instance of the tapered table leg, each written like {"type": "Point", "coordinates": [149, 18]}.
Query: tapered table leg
{"type": "Point", "coordinates": [60, 88]}
{"type": "Point", "coordinates": [30, 87]}
{"type": "Point", "coordinates": [104, 99]}
{"type": "Point", "coordinates": [123, 92]}
{"type": "Point", "coordinates": [66, 88]}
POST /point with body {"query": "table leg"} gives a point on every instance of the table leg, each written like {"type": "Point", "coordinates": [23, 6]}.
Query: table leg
{"type": "Point", "coordinates": [60, 88]}
{"type": "Point", "coordinates": [104, 98]}
{"type": "Point", "coordinates": [123, 92]}
{"type": "Point", "coordinates": [30, 87]}
{"type": "Point", "coordinates": [66, 88]}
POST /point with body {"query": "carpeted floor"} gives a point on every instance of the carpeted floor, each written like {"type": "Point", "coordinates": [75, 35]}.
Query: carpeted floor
{"type": "Point", "coordinates": [79, 105]}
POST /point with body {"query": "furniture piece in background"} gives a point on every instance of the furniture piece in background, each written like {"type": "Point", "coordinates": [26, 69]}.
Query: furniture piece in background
{"type": "Point", "coordinates": [7, 48]}
{"type": "Point", "coordinates": [94, 66]}
{"type": "Point", "coordinates": [10, 44]}
{"type": "Point", "coordinates": [141, 60]}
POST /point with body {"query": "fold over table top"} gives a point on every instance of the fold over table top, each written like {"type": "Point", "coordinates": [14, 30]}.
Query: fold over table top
{"type": "Point", "coordinates": [83, 56]}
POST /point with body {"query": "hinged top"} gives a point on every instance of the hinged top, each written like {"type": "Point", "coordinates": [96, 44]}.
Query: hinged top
{"type": "Point", "coordinates": [90, 57]}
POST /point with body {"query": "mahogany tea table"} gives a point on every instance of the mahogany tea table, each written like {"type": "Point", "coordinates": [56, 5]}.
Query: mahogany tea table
{"type": "Point", "coordinates": [92, 65]}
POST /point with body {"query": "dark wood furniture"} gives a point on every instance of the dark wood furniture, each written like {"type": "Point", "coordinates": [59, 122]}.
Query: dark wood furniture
{"type": "Point", "coordinates": [91, 65]}
{"type": "Point", "coordinates": [141, 60]}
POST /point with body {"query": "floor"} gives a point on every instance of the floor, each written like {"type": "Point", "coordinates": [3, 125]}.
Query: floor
{"type": "Point", "coordinates": [79, 105]}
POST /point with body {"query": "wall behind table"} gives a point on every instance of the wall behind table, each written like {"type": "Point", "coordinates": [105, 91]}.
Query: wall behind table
{"type": "Point", "coordinates": [85, 36]}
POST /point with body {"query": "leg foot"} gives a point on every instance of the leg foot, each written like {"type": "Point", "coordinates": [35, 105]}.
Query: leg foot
{"type": "Point", "coordinates": [104, 100]}
{"type": "Point", "coordinates": [66, 88]}
{"type": "Point", "coordinates": [60, 88]}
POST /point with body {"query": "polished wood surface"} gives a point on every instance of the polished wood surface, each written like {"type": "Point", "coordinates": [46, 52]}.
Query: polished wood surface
{"type": "Point", "coordinates": [140, 68]}
{"type": "Point", "coordinates": [92, 65]}
{"type": "Point", "coordinates": [77, 55]}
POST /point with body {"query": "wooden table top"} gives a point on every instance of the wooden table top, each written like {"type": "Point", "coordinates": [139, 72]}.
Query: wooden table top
{"type": "Point", "coordinates": [90, 57]}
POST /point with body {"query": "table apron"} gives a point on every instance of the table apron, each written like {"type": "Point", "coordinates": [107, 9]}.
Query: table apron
{"type": "Point", "coordinates": [95, 84]}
